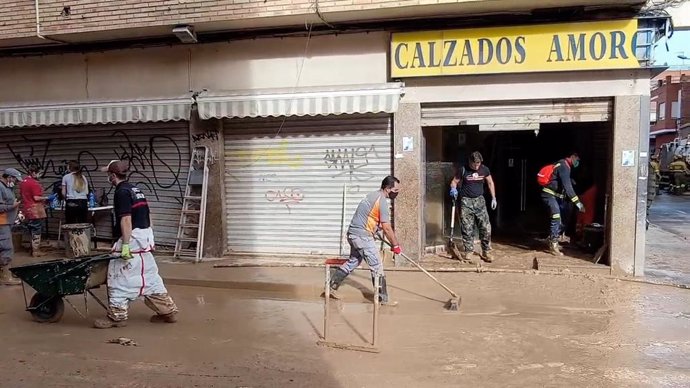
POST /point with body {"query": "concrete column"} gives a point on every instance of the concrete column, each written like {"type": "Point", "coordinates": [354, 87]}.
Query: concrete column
{"type": "Point", "coordinates": [408, 167]}
{"type": "Point", "coordinates": [624, 193]}
{"type": "Point", "coordinates": [210, 133]}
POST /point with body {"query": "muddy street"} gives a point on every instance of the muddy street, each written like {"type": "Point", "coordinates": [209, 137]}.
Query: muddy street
{"type": "Point", "coordinates": [512, 330]}
{"type": "Point", "coordinates": [667, 239]}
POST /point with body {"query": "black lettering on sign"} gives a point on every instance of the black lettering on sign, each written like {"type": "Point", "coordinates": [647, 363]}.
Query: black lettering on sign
{"type": "Point", "coordinates": [432, 56]}
{"type": "Point", "coordinates": [418, 56]}
{"type": "Point", "coordinates": [520, 49]}
{"type": "Point", "coordinates": [450, 53]}
{"type": "Point", "coordinates": [576, 48]}
{"type": "Point", "coordinates": [486, 51]}
{"type": "Point", "coordinates": [504, 50]}
{"type": "Point", "coordinates": [398, 54]}
{"type": "Point", "coordinates": [618, 45]}
{"type": "Point", "coordinates": [555, 49]}
{"type": "Point", "coordinates": [593, 45]}
{"type": "Point", "coordinates": [467, 54]}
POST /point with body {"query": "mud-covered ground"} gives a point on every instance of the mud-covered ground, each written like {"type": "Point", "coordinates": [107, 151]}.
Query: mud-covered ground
{"type": "Point", "coordinates": [512, 330]}
{"type": "Point", "coordinates": [668, 239]}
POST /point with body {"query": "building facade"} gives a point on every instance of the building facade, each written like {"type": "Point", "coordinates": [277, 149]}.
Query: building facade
{"type": "Point", "coordinates": [307, 105]}
{"type": "Point", "coordinates": [670, 107]}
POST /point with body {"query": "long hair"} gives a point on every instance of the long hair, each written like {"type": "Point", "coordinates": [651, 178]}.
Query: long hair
{"type": "Point", "coordinates": [79, 180]}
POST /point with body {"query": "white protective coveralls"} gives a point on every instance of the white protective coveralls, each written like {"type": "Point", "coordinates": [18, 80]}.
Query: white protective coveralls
{"type": "Point", "coordinates": [138, 277]}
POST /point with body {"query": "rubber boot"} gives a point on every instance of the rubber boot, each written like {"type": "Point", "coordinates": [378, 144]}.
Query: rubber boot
{"type": "Point", "coordinates": [164, 318]}
{"type": "Point", "coordinates": [36, 246]}
{"type": "Point", "coordinates": [6, 278]}
{"type": "Point", "coordinates": [337, 277]}
{"type": "Point", "coordinates": [554, 248]}
{"type": "Point", "coordinates": [107, 323]}
{"type": "Point", "coordinates": [487, 256]}
{"type": "Point", "coordinates": [383, 293]}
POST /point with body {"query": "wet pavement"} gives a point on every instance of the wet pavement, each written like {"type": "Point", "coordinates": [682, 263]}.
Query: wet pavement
{"type": "Point", "coordinates": [668, 240]}
{"type": "Point", "coordinates": [512, 330]}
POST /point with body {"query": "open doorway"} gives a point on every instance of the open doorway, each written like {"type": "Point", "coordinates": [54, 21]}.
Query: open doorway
{"type": "Point", "coordinates": [520, 223]}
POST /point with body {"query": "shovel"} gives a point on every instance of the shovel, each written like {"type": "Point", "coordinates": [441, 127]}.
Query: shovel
{"type": "Point", "coordinates": [452, 248]}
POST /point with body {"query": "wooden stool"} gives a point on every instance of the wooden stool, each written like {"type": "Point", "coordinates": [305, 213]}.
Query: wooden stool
{"type": "Point", "coordinates": [327, 296]}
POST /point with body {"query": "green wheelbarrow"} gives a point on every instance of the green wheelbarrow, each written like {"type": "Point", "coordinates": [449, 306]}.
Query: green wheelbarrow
{"type": "Point", "coordinates": [55, 279]}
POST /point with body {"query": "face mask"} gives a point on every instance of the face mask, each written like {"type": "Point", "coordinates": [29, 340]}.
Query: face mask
{"type": "Point", "coordinates": [10, 183]}
{"type": "Point", "coordinates": [392, 195]}
{"type": "Point", "coordinates": [576, 163]}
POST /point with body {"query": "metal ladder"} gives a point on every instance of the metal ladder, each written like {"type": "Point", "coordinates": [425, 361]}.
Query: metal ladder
{"type": "Point", "coordinates": [189, 243]}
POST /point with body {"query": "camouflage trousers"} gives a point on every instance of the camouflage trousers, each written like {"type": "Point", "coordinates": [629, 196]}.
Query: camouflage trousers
{"type": "Point", "coordinates": [473, 211]}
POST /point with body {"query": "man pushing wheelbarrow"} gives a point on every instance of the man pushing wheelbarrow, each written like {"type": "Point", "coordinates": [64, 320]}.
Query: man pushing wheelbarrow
{"type": "Point", "coordinates": [134, 274]}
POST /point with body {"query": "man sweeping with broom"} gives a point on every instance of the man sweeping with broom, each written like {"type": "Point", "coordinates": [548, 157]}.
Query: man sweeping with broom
{"type": "Point", "coordinates": [371, 215]}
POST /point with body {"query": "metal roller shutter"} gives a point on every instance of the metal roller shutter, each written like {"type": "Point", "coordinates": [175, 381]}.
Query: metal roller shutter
{"type": "Point", "coordinates": [517, 115]}
{"type": "Point", "coordinates": [284, 186]}
{"type": "Point", "coordinates": [158, 154]}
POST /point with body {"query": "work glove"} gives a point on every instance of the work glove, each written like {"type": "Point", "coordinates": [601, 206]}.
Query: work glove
{"type": "Point", "coordinates": [493, 203]}
{"type": "Point", "coordinates": [126, 253]}
{"type": "Point", "coordinates": [454, 192]}
{"type": "Point", "coordinates": [396, 250]}
{"type": "Point", "coordinates": [580, 207]}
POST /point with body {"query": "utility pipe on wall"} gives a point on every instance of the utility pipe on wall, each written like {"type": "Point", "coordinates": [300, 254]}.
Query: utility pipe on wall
{"type": "Point", "coordinates": [38, 26]}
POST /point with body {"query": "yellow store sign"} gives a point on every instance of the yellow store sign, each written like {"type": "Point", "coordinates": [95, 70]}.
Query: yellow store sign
{"type": "Point", "coordinates": [518, 49]}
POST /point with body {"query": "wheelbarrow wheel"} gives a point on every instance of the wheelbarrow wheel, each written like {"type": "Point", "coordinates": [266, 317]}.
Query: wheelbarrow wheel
{"type": "Point", "coordinates": [50, 310]}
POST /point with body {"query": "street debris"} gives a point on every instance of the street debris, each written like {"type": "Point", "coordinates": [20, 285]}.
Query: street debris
{"type": "Point", "coordinates": [122, 341]}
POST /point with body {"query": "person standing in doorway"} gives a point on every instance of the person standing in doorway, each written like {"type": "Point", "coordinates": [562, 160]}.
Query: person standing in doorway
{"type": "Point", "coordinates": [559, 187]}
{"type": "Point", "coordinates": [468, 184]}
{"type": "Point", "coordinates": [371, 215]}
{"type": "Point", "coordinates": [135, 274]}
{"type": "Point", "coordinates": [33, 206]}
{"type": "Point", "coordinates": [75, 190]}
{"type": "Point", "coordinates": [8, 214]}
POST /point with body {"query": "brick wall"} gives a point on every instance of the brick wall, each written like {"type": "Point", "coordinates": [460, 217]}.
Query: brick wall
{"type": "Point", "coordinates": [666, 94]}
{"type": "Point", "coordinates": [685, 100]}
{"type": "Point", "coordinates": [17, 19]}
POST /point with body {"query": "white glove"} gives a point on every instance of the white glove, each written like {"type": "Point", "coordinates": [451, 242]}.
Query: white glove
{"type": "Point", "coordinates": [580, 207]}
{"type": "Point", "coordinates": [493, 203]}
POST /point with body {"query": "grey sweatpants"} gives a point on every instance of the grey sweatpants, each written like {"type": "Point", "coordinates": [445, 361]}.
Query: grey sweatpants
{"type": "Point", "coordinates": [363, 248]}
{"type": "Point", "coordinates": [6, 248]}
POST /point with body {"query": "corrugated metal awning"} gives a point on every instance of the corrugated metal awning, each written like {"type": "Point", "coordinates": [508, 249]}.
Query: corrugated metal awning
{"type": "Point", "coordinates": [517, 115]}
{"type": "Point", "coordinates": [312, 101]}
{"type": "Point", "coordinates": [102, 112]}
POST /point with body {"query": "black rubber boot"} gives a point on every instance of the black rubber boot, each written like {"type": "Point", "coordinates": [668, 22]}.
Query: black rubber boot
{"type": "Point", "coordinates": [337, 277]}
{"type": "Point", "coordinates": [383, 292]}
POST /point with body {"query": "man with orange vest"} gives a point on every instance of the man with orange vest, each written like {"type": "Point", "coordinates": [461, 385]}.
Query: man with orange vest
{"type": "Point", "coordinates": [558, 188]}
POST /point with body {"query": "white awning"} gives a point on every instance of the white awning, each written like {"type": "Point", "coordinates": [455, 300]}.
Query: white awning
{"type": "Point", "coordinates": [102, 112]}
{"type": "Point", "coordinates": [334, 100]}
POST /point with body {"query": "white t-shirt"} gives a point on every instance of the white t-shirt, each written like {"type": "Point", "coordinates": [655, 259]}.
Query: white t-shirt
{"type": "Point", "coordinates": [70, 192]}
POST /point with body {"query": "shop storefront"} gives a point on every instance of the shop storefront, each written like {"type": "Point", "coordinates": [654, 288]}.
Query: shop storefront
{"type": "Point", "coordinates": [153, 135]}
{"type": "Point", "coordinates": [297, 163]}
{"type": "Point", "coordinates": [524, 96]}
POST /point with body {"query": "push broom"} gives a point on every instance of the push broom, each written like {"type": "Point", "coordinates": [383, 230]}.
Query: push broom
{"type": "Point", "coordinates": [453, 303]}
